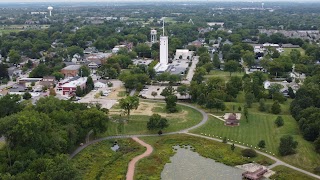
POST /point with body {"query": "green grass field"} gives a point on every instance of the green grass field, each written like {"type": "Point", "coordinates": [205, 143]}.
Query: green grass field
{"type": "Point", "coordinates": [151, 167]}
{"type": "Point", "coordinates": [284, 173]}
{"type": "Point", "coordinates": [138, 123]}
{"type": "Point", "coordinates": [288, 50]}
{"type": "Point", "coordinates": [223, 74]}
{"type": "Point", "coordinates": [261, 127]}
{"type": "Point", "coordinates": [98, 161]}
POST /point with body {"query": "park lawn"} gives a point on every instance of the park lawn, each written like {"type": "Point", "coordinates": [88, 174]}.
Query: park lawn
{"type": "Point", "coordinates": [170, 20]}
{"type": "Point", "coordinates": [8, 31]}
{"type": "Point", "coordinates": [137, 124]}
{"type": "Point", "coordinates": [283, 172]}
{"type": "Point", "coordinates": [234, 106]}
{"type": "Point", "coordinates": [288, 50]}
{"type": "Point", "coordinates": [223, 74]}
{"type": "Point", "coordinates": [98, 161]}
{"type": "Point", "coordinates": [261, 127]}
{"type": "Point", "coordinates": [151, 167]}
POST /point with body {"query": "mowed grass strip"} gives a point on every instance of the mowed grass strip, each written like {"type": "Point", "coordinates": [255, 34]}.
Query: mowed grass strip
{"type": "Point", "coordinates": [151, 167]}
{"type": "Point", "coordinates": [283, 172]}
{"type": "Point", "coordinates": [287, 51]}
{"type": "Point", "coordinates": [261, 127]}
{"type": "Point", "coordinates": [223, 74]}
{"type": "Point", "coordinates": [98, 161]}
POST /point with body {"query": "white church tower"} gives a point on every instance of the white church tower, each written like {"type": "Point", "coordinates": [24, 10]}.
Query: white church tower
{"type": "Point", "coordinates": [163, 47]}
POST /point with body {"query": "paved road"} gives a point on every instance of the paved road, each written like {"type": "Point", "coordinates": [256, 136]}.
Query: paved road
{"type": "Point", "coordinates": [186, 131]}
{"type": "Point", "coordinates": [191, 70]}
{"type": "Point", "coordinates": [132, 163]}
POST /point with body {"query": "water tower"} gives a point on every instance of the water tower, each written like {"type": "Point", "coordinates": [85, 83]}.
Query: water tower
{"type": "Point", "coordinates": [50, 9]}
{"type": "Point", "coordinates": [153, 35]}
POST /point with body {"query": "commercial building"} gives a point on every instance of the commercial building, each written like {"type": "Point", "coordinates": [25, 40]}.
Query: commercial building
{"type": "Point", "coordinates": [71, 70]}
{"type": "Point", "coordinates": [70, 87]}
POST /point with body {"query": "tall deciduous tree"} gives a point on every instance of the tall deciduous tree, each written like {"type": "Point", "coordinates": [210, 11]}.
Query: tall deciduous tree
{"type": "Point", "coordinates": [9, 104]}
{"type": "Point", "coordinates": [287, 145]}
{"type": "Point", "coordinates": [216, 61]}
{"type": "Point", "coordinates": [171, 103]}
{"type": "Point", "coordinates": [84, 71]}
{"type": "Point", "coordinates": [248, 58]}
{"type": "Point", "coordinates": [276, 108]}
{"type": "Point", "coordinates": [14, 56]}
{"type": "Point", "coordinates": [231, 66]}
{"type": "Point", "coordinates": [129, 103]}
{"type": "Point", "coordinates": [157, 122]}
{"type": "Point", "coordinates": [183, 90]}
{"type": "Point", "coordinates": [3, 72]}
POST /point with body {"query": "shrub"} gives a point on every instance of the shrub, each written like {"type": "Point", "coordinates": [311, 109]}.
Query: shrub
{"type": "Point", "coordinates": [276, 109]}
{"type": "Point", "coordinates": [249, 153]}
{"type": "Point", "coordinates": [279, 121]}
{"type": "Point", "coordinates": [224, 140]}
{"type": "Point", "coordinates": [317, 170]}
{"type": "Point", "coordinates": [262, 144]}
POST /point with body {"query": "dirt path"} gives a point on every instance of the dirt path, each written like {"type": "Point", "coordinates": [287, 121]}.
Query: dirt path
{"type": "Point", "coordinates": [132, 163]}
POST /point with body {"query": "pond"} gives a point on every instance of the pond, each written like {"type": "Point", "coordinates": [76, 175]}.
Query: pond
{"type": "Point", "coordinates": [189, 165]}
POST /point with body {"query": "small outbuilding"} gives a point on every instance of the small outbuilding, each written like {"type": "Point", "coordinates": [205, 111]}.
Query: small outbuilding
{"type": "Point", "coordinates": [232, 119]}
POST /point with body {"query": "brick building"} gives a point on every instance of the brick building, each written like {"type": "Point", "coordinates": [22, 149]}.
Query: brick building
{"type": "Point", "coordinates": [71, 70]}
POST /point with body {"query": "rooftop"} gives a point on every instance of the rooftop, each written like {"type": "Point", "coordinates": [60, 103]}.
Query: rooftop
{"type": "Point", "coordinates": [76, 83]}
{"type": "Point", "coordinates": [72, 67]}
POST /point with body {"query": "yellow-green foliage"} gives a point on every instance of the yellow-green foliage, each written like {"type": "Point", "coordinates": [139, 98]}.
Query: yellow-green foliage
{"type": "Point", "coordinates": [98, 161]}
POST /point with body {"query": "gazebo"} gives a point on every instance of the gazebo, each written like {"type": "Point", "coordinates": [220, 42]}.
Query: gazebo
{"type": "Point", "coordinates": [232, 119]}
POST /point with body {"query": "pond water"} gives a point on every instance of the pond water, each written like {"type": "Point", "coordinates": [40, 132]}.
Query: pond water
{"type": "Point", "coordinates": [189, 165]}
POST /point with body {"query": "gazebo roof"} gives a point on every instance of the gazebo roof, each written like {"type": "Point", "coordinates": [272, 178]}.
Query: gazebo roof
{"type": "Point", "coordinates": [232, 116]}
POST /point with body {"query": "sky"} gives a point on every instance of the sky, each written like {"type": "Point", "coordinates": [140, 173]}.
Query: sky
{"type": "Point", "coordinates": [21, 1]}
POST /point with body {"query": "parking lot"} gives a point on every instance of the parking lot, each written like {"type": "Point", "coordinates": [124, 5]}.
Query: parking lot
{"type": "Point", "coordinates": [146, 92]}
{"type": "Point", "coordinates": [108, 99]}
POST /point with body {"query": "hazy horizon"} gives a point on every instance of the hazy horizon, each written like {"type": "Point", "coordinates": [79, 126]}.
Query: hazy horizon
{"type": "Point", "coordinates": [68, 1]}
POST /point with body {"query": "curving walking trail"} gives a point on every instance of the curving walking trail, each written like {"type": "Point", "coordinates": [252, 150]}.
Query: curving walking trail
{"type": "Point", "coordinates": [132, 163]}
{"type": "Point", "coordinates": [186, 131]}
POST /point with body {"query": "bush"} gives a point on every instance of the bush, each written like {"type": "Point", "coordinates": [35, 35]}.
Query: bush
{"type": "Point", "coordinates": [262, 144]}
{"type": "Point", "coordinates": [275, 108]}
{"type": "Point", "coordinates": [287, 145]}
{"type": "Point", "coordinates": [224, 140]}
{"type": "Point", "coordinates": [262, 105]}
{"type": "Point", "coordinates": [279, 121]}
{"type": "Point", "coordinates": [249, 153]}
{"type": "Point", "coordinates": [26, 96]}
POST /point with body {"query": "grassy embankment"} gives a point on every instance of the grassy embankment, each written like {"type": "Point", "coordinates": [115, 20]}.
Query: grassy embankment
{"type": "Point", "coordinates": [98, 161]}
{"type": "Point", "coordinates": [151, 167]}
{"type": "Point", "coordinates": [260, 126]}
{"type": "Point", "coordinates": [285, 173]}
